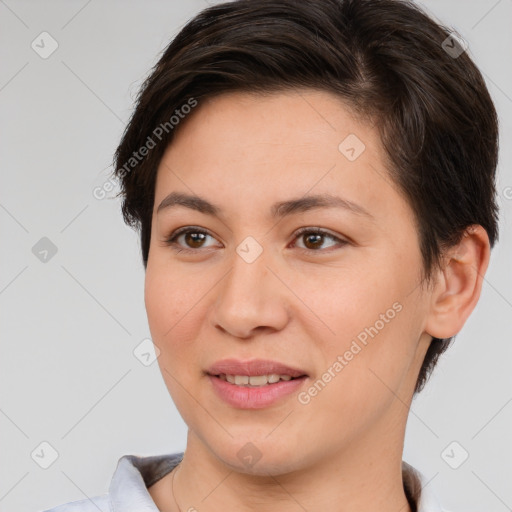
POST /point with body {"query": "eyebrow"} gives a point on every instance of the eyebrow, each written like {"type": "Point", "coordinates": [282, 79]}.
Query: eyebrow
{"type": "Point", "coordinates": [278, 210]}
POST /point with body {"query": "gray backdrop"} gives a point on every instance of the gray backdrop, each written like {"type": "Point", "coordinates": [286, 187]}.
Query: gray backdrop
{"type": "Point", "coordinates": [76, 394]}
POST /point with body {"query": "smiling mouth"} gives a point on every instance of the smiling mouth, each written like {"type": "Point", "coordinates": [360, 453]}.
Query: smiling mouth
{"type": "Point", "coordinates": [256, 381]}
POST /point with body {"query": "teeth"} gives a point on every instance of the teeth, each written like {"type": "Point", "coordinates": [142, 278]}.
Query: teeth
{"type": "Point", "coordinates": [241, 379]}
{"type": "Point", "coordinates": [255, 380]}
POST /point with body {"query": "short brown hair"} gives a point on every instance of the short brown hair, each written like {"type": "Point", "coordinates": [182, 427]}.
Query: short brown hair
{"type": "Point", "coordinates": [387, 59]}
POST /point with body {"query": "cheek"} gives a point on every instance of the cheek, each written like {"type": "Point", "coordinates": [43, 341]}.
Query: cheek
{"type": "Point", "coordinates": [374, 320]}
{"type": "Point", "coordinates": [175, 314]}
{"type": "Point", "coordinates": [172, 331]}
{"type": "Point", "coordinates": [351, 303]}
{"type": "Point", "coordinates": [163, 309]}
{"type": "Point", "coordinates": [158, 304]}
{"type": "Point", "coordinates": [166, 297]}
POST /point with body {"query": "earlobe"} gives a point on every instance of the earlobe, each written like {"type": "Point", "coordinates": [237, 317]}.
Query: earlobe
{"type": "Point", "coordinates": [459, 283]}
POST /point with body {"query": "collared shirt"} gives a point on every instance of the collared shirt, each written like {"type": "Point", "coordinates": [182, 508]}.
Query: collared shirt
{"type": "Point", "coordinates": [128, 491]}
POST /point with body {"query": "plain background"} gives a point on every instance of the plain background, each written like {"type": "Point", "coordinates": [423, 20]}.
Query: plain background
{"type": "Point", "coordinates": [70, 325]}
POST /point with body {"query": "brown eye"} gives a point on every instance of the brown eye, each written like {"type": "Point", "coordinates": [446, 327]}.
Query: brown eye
{"type": "Point", "coordinates": [193, 239]}
{"type": "Point", "coordinates": [315, 238]}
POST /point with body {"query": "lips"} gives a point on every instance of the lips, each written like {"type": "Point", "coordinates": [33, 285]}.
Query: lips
{"type": "Point", "coordinates": [228, 380]}
{"type": "Point", "coordinates": [253, 367]}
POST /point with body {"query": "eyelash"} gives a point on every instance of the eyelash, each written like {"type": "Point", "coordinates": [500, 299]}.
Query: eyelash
{"type": "Point", "coordinates": [171, 240]}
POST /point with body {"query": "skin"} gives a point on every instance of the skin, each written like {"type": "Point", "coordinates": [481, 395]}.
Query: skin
{"type": "Point", "coordinates": [342, 450]}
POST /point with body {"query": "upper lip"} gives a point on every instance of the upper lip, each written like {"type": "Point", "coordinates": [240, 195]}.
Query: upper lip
{"type": "Point", "coordinates": [253, 367]}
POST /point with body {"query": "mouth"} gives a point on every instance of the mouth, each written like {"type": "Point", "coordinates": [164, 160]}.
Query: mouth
{"type": "Point", "coordinates": [256, 381]}
{"type": "Point", "coordinates": [255, 372]}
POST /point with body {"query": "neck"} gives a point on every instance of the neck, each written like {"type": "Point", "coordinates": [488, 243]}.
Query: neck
{"type": "Point", "coordinates": [363, 477]}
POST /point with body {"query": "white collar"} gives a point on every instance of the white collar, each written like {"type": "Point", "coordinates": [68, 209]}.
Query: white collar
{"type": "Point", "coordinates": [128, 491]}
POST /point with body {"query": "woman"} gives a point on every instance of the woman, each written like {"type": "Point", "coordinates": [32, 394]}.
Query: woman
{"type": "Point", "coordinates": [314, 188]}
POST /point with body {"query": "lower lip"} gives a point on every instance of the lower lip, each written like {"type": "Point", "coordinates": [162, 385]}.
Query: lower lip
{"type": "Point", "coordinates": [254, 397]}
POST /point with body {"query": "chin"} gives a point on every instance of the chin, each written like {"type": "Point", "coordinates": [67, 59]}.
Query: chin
{"type": "Point", "coordinates": [255, 455]}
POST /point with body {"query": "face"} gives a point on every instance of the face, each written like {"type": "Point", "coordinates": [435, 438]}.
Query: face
{"type": "Point", "coordinates": [332, 290]}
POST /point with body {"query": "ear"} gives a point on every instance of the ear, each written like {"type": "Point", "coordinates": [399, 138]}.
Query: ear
{"type": "Point", "coordinates": [459, 283]}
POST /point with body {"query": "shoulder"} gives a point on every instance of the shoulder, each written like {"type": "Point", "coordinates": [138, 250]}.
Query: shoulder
{"type": "Point", "coordinates": [133, 476]}
{"type": "Point", "coordinates": [96, 504]}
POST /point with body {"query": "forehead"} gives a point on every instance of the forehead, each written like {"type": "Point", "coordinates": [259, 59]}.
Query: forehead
{"type": "Point", "coordinates": [293, 119]}
{"type": "Point", "coordinates": [252, 148]}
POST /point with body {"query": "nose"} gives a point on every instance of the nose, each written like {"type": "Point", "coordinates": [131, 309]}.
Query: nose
{"type": "Point", "coordinates": [251, 299]}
